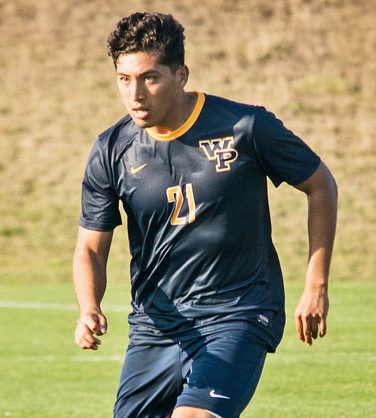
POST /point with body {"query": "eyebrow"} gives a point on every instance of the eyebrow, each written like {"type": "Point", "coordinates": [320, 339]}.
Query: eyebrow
{"type": "Point", "coordinates": [142, 74]}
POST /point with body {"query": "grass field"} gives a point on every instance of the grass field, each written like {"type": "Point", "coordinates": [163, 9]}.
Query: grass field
{"type": "Point", "coordinates": [311, 62]}
{"type": "Point", "coordinates": [43, 374]}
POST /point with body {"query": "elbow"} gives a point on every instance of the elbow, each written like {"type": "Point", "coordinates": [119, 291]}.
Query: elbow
{"type": "Point", "coordinates": [326, 183]}
{"type": "Point", "coordinates": [88, 257]}
{"type": "Point", "coordinates": [332, 186]}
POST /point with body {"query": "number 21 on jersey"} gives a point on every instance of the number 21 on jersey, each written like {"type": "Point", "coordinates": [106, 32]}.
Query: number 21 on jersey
{"type": "Point", "coordinates": [175, 195]}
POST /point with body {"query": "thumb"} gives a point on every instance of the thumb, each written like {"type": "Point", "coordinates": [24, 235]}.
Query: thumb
{"type": "Point", "coordinates": [92, 322]}
{"type": "Point", "coordinates": [102, 322]}
{"type": "Point", "coordinates": [322, 327]}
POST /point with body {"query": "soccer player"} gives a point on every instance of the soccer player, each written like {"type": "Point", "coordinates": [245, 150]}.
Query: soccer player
{"type": "Point", "coordinates": [190, 171]}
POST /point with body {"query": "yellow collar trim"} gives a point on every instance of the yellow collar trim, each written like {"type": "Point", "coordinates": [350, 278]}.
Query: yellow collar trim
{"type": "Point", "coordinates": [187, 125]}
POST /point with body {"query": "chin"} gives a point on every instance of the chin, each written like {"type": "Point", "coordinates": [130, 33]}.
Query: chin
{"type": "Point", "coordinates": [142, 123]}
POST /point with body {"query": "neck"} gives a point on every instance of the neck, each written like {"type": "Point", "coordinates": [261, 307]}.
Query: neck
{"type": "Point", "coordinates": [183, 108]}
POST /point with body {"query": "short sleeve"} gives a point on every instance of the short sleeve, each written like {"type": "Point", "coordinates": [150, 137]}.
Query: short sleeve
{"type": "Point", "coordinates": [282, 155]}
{"type": "Point", "coordinates": [100, 204]}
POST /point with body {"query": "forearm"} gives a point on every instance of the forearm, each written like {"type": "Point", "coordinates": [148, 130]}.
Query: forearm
{"type": "Point", "coordinates": [312, 309]}
{"type": "Point", "coordinates": [89, 279]}
{"type": "Point", "coordinates": [322, 214]}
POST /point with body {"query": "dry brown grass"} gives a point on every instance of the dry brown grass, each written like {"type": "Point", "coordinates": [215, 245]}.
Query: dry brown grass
{"type": "Point", "coordinates": [311, 62]}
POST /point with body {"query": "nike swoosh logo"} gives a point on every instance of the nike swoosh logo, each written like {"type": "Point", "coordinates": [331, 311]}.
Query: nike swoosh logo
{"type": "Point", "coordinates": [215, 395]}
{"type": "Point", "coordinates": [135, 170]}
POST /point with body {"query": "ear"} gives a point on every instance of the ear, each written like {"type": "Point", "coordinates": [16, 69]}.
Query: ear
{"type": "Point", "coordinates": [181, 76]}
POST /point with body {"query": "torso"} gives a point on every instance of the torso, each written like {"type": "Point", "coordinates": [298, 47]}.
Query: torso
{"type": "Point", "coordinates": [198, 222]}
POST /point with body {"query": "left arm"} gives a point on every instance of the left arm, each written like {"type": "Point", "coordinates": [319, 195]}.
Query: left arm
{"type": "Point", "coordinates": [311, 312]}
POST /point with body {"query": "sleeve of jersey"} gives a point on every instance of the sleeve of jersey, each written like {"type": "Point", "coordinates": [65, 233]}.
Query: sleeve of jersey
{"type": "Point", "coordinates": [282, 155]}
{"type": "Point", "coordinates": [100, 204]}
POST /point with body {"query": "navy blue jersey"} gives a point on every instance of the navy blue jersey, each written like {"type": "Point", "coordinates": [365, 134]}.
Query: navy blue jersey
{"type": "Point", "coordinates": [198, 216]}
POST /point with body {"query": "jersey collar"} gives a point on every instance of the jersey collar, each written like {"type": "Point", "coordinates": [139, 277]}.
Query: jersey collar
{"type": "Point", "coordinates": [186, 126]}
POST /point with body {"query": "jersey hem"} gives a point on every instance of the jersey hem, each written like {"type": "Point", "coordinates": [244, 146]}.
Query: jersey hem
{"type": "Point", "coordinates": [307, 173]}
{"type": "Point", "coordinates": [97, 227]}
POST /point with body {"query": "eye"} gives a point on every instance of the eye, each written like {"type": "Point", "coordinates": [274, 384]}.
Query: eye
{"type": "Point", "coordinates": [150, 78]}
{"type": "Point", "coordinates": [124, 79]}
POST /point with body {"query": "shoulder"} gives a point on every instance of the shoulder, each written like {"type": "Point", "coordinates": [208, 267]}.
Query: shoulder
{"type": "Point", "coordinates": [118, 134]}
{"type": "Point", "coordinates": [231, 106]}
{"type": "Point", "coordinates": [239, 117]}
{"type": "Point", "coordinates": [233, 112]}
{"type": "Point", "coordinates": [111, 143]}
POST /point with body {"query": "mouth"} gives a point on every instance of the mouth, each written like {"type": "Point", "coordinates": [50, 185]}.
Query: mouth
{"type": "Point", "coordinates": [140, 113]}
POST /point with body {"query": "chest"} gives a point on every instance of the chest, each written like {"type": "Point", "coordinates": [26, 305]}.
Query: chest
{"type": "Point", "coordinates": [179, 179]}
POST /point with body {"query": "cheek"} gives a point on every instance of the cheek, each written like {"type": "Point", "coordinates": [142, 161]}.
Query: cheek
{"type": "Point", "coordinates": [164, 96]}
{"type": "Point", "coordinates": [124, 94]}
{"type": "Point", "coordinates": [119, 86]}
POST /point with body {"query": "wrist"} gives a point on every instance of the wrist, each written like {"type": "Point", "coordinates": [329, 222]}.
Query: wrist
{"type": "Point", "coordinates": [89, 310]}
{"type": "Point", "coordinates": [317, 283]}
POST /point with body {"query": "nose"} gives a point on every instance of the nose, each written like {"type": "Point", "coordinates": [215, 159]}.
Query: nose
{"type": "Point", "coordinates": [137, 91]}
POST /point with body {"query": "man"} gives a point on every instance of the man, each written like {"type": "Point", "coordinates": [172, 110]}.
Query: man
{"type": "Point", "coordinates": [191, 173]}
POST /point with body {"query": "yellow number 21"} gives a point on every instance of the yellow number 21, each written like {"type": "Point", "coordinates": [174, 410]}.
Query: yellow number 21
{"type": "Point", "coordinates": [175, 195]}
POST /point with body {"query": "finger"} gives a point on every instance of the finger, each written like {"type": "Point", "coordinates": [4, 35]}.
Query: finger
{"type": "Point", "coordinates": [91, 343]}
{"type": "Point", "coordinates": [299, 327]}
{"type": "Point", "coordinates": [93, 347]}
{"type": "Point", "coordinates": [84, 345]}
{"type": "Point", "coordinates": [315, 326]}
{"type": "Point", "coordinates": [93, 323]}
{"type": "Point", "coordinates": [322, 327]}
{"type": "Point", "coordinates": [307, 330]}
{"type": "Point", "coordinates": [87, 346]}
{"type": "Point", "coordinates": [90, 339]}
{"type": "Point", "coordinates": [84, 337]}
{"type": "Point", "coordinates": [88, 342]}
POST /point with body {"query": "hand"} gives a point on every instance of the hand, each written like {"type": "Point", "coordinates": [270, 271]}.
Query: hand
{"type": "Point", "coordinates": [311, 313]}
{"type": "Point", "coordinates": [88, 325]}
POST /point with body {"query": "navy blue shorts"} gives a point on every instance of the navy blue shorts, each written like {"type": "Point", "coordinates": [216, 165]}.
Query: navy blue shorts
{"type": "Point", "coordinates": [217, 372]}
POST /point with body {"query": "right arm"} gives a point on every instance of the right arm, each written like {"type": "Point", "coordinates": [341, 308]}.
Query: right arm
{"type": "Point", "coordinates": [89, 280]}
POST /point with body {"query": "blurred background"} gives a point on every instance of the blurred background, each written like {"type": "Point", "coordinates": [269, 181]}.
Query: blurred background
{"type": "Point", "coordinates": [312, 63]}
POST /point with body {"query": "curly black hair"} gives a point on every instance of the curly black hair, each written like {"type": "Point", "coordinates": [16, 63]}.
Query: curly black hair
{"type": "Point", "coordinates": [149, 32]}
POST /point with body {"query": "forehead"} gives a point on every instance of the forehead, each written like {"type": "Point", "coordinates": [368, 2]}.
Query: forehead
{"type": "Point", "coordinates": [139, 62]}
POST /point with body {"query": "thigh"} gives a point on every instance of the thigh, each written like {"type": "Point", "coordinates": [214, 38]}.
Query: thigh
{"type": "Point", "coordinates": [224, 373]}
{"type": "Point", "coordinates": [150, 382]}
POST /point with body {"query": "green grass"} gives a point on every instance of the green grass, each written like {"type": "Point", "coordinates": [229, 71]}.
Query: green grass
{"type": "Point", "coordinates": [309, 62]}
{"type": "Point", "coordinates": [44, 375]}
